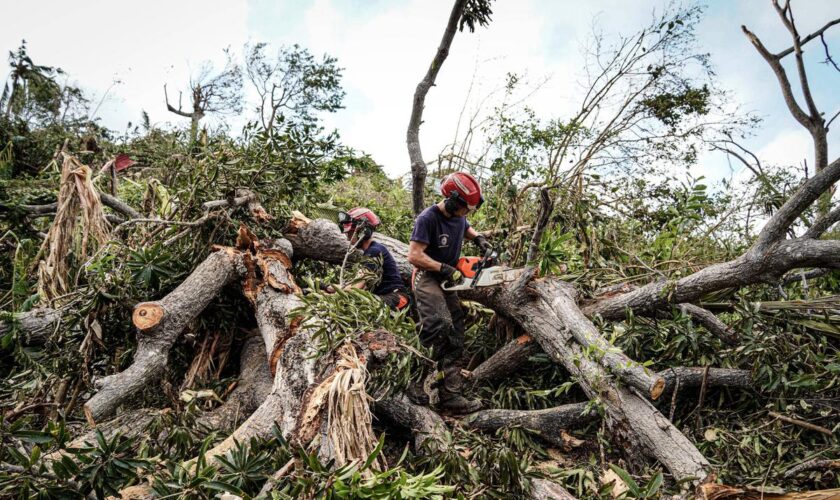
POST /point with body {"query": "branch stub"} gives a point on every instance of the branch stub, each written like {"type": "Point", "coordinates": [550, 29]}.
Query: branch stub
{"type": "Point", "coordinates": [147, 315]}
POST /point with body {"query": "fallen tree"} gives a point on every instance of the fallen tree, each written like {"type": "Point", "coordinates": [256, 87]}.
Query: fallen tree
{"type": "Point", "coordinates": [546, 310]}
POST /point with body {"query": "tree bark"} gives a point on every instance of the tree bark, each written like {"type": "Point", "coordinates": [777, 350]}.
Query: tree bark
{"type": "Point", "coordinates": [418, 166]}
{"type": "Point", "coordinates": [543, 489]}
{"type": "Point", "coordinates": [751, 268]}
{"type": "Point", "coordinates": [36, 326]}
{"type": "Point", "coordinates": [693, 377]}
{"type": "Point", "coordinates": [288, 346]}
{"type": "Point", "coordinates": [506, 360]}
{"type": "Point", "coordinates": [425, 425]}
{"type": "Point", "coordinates": [179, 308]}
{"type": "Point", "coordinates": [633, 421]}
{"type": "Point", "coordinates": [255, 382]}
{"type": "Point", "coordinates": [547, 423]}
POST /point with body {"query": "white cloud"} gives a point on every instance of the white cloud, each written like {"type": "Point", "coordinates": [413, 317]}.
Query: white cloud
{"type": "Point", "coordinates": [789, 147]}
{"type": "Point", "coordinates": [386, 47]}
{"type": "Point", "coordinates": [142, 44]}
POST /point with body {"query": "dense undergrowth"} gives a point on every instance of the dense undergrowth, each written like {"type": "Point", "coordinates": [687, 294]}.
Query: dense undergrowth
{"type": "Point", "coordinates": [609, 228]}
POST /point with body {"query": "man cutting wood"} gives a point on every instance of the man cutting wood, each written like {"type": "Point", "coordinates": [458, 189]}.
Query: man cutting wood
{"type": "Point", "coordinates": [435, 247]}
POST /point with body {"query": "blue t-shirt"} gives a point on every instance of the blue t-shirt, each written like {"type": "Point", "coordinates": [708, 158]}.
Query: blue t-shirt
{"type": "Point", "coordinates": [443, 235]}
{"type": "Point", "coordinates": [391, 280]}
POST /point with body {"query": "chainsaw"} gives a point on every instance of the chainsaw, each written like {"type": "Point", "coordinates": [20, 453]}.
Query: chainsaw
{"type": "Point", "coordinates": [481, 271]}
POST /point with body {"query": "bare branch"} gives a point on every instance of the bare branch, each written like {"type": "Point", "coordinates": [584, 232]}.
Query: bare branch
{"type": "Point", "coordinates": [172, 108]}
{"type": "Point", "coordinates": [781, 75]}
{"type": "Point", "coordinates": [820, 183]}
{"type": "Point", "coordinates": [808, 38]}
{"type": "Point", "coordinates": [786, 15]}
{"type": "Point", "coordinates": [828, 58]}
{"type": "Point", "coordinates": [823, 223]}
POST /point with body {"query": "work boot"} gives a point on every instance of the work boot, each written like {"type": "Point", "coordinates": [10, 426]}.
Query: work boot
{"type": "Point", "coordinates": [450, 396]}
{"type": "Point", "coordinates": [423, 392]}
{"type": "Point", "coordinates": [456, 403]}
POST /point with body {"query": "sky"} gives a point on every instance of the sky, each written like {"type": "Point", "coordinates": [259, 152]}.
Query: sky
{"type": "Point", "coordinates": [122, 53]}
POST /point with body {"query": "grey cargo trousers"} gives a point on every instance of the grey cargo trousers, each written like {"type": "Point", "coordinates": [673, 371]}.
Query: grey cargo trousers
{"type": "Point", "coordinates": [441, 325]}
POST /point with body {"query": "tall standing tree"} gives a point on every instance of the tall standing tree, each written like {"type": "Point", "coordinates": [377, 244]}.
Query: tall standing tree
{"type": "Point", "coordinates": [464, 13]}
{"type": "Point", "coordinates": [211, 92]}
{"type": "Point", "coordinates": [293, 84]}
{"type": "Point", "coordinates": [811, 117]}
{"type": "Point", "coordinates": [32, 89]}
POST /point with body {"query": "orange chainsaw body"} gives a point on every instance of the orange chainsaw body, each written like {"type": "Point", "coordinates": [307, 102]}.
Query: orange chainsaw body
{"type": "Point", "coordinates": [468, 266]}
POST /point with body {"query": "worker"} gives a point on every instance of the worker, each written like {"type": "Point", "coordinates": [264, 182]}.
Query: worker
{"type": "Point", "coordinates": [434, 249]}
{"type": "Point", "coordinates": [359, 225]}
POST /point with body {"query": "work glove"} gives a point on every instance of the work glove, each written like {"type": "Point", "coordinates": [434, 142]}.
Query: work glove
{"type": "Point", "coordinates": [450, 274]}
{"type": "Point", "coordinates": [482, 243]}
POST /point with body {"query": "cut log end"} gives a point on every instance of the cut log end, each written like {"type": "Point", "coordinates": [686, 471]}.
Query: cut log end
{"type": "Point", "coordinates": [657, 388]}
{"type": "Point", "coordinates": [89, 417]}
{"type": "Point", "coordinates": [147, 315]}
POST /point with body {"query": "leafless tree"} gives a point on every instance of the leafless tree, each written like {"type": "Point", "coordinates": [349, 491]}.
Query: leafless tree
{"type": "Point", "coordinates": [211, 92]}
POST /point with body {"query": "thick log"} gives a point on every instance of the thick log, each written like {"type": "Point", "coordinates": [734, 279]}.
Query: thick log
{"type": "Point", "coordinates": [506, 360]}
{"type": "Point", "coordinates": [766, 265]}
{"type": "Point", "coordinates": [424, 424]}
{"type": "Point", "coordinates": [547, 423]}
{"type": "Point", "coordinates": [36, 326]}
{"type": "Point", "coordinates": [543, 489]}
{"type": "Point", "coordinates": [321, 239]}
{"type": "Point", "coordinates": [180, 307]}
{"type": "Point", "coordinates": [633, 421]}
{"type": "Point", "coordinates": [565, 306]}
{"type": "Point", "coordinates": [693, 377]}
{"type": "Point", "coordinates": [288, 345]}
{"type": "Point", "coordinates": [255, 382]}
{"type": "Point", "coordinates": [723, 492]}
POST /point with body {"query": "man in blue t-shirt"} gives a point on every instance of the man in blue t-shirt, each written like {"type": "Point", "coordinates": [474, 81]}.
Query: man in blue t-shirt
{"type": "Point", "coordinates": [358, 225]}
{"type": "Point", "coordinates": [434, 250]}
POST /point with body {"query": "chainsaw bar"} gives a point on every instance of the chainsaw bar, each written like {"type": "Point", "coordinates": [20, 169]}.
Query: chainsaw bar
{"type": "Point", "coordinates": [490, 276]}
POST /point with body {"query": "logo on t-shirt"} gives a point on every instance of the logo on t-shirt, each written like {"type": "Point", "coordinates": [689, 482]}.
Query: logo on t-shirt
{"type": "Point", "coordinates": [443, 241]}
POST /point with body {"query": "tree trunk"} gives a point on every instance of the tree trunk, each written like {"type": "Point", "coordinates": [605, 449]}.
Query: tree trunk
{"type": "Point", "coordinates": [425, 425]}
{"type": "Point", "coordinates": [506, 360]}
{"type": "Point", "coordinates": [254, 384]}
{"type": "Point", "coordinates": [547, 423]}
{"type": "Point", "coordinates": [415, 154]}
{"type": "Point", "coordinates": [161, 324]}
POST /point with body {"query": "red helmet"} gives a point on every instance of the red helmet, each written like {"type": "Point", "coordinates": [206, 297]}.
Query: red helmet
{"type": "Point", "coordinates": [462, 187]}
{"type": "Point", "coordinates": [358, 217]}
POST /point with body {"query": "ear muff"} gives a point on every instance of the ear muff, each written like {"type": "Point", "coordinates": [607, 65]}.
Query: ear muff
{"type": "Point", "coordinates": [452, 203]}
{"type": "Point", "coordinates": [362, 230]}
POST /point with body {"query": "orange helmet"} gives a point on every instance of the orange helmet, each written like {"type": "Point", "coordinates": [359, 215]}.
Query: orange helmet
{"type": "Point", "coordinates": [463, 188]}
